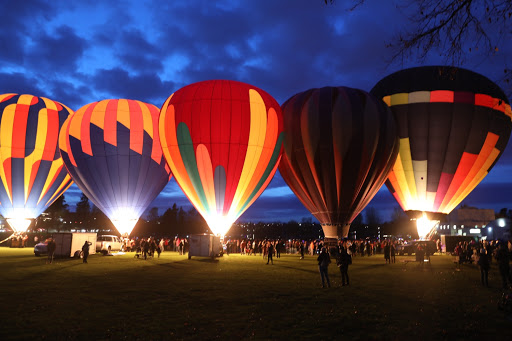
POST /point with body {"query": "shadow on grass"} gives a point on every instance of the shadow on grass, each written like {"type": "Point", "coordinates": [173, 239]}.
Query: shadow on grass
{"type": "Point", "coordinates": [203, 260]}
{"type": "Point", "coordinates": [296, 268]}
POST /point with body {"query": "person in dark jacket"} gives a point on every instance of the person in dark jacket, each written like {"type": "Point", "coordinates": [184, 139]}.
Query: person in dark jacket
{"type": "Point", "coordinates": [323, 263]}
{"type": "Point", "coordinates": [503, 259]}
{"type": "Point", "coordinates": [387, 253]}
{"type": "Point", "coordinates": [483, 262]}
{"type": "Point", "coordinates": [85, 250]}
{"type": "Point", "coordinates": [343, 261]}
{"type": "Point", "coordinates": [270, 252]}
{"type": "Point", "coordinates": [51, 246]}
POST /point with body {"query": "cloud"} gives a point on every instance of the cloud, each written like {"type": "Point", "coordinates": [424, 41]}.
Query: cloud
{"type": "Point", "coordinates": [19, 20]}
{"type": "Point", "coordinates": [119, 83]}
{"type": "Point", "coordinates": [55, 53]}
{"type": "Point", "coordinates": [19, 83]}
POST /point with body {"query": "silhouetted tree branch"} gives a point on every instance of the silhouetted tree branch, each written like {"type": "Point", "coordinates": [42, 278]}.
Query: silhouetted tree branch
{"type": "Point", "coordinates": [455, 29]}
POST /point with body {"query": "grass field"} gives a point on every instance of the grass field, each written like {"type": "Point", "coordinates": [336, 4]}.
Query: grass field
{"type": "Point", "coordinates": [240, 297]}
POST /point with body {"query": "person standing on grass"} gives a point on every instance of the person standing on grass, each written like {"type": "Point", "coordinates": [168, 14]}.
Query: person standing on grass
{"type": "Point", "coordinates": [323, 264]}
{"type": "Point", "coordinates": [270, 252]}
{"type": "Point", "coordinates": [503, 259]}
{"type": "Point", "coordinates": [343, 261]}
{"type": "Point", "coordinates": [85, 250]}
{"type": "Point", "coordinates": [145, 248]}
{"type": "Point", "coordinates": [158, 250]}
{"type": "Point", "coordinates": [387, 253]}
{"type": "Point", "coordinates": [51, 246]}
{"type": "Point", "coordinates": [182, 247]}
{"type": "Point", "coordinates": [483, 262]}
{"type": "Point", "coordinates": [162, 246]}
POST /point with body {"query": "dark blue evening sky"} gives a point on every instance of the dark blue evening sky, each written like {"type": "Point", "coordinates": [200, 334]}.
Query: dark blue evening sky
{"type": "Point", "coordinates": [77, 52]}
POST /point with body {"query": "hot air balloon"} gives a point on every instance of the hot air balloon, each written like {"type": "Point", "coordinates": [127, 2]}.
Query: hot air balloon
{"type": "Point", "coordinates": [339, 147]}
{"type": "Point", "coordinates": [223, 141]}
{"type": "Point", "coordinates": [453, 126]}
{"type": "Point", "coordinates": [112, 151]}
{"type": "Point", "coordinates": [32, 172]}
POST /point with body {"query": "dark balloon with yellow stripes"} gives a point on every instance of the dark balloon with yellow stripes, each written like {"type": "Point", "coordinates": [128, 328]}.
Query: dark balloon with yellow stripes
{"type": "Point", "coordinates": [31, 170]}
{"type": "Point", "coordinates": [112, 151]}
{"type": "Point", "coordinates": [453, 125]}
{"type": "Point", "coordinates": [340, 144]}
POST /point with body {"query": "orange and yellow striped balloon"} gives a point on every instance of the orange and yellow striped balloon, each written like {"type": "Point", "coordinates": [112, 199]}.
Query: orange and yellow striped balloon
{"type": "Point", "coordinates": [32, 172]}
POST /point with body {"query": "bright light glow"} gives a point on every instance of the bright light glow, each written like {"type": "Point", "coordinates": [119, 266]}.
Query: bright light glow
{"type": "Point", "coordinates": [19, 224]}
{"type": "Point", "coordinates": [124, 219]}
{"type": "Point", "coordinates": [219, 225]}
{"type": "Point", "coordinates": [501, 222]}
{"type": "Point", "coordinates": [425, 226]}
{"type": "Point", "coordinates": [474, 230]}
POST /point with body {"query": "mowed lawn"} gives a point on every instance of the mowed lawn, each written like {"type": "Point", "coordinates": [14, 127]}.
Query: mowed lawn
{"type": "Point", "coordinates": [240, 297]}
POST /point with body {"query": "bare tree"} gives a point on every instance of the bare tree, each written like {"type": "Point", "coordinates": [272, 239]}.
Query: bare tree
{"type": "Point", "coordinates": [455, 29]}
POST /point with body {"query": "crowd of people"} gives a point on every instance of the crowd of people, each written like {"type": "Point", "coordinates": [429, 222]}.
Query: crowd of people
{"type": "Point", "coordinates": [482, 253]}
{"type": "Point", "coordinates": [149, 247]}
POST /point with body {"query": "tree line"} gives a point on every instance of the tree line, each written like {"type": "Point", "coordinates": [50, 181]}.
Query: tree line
{"type": "Point", "coordinates": [179, 221]}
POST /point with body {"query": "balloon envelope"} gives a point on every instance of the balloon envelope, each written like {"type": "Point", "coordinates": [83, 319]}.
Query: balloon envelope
{"type": "Point", "coordinates": [339, 148]}
{"type": "Point", "coordinates": [112, 150]}
{"type": "Point", "coordinates": [223, 141]}
{"type": "Point", "coordinates": [31, 169]}
{"type": "Point", "coordinates": [453, 126]}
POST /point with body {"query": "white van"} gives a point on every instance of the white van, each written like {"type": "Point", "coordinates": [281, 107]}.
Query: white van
{"type": "Point", "coordinates": [108, 243]}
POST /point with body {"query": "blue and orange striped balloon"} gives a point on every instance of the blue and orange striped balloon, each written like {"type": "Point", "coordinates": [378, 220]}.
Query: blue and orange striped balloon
{"type": "Point", "coordinates": [112, 151]}
{"type": "Point", "coordinates": [31, 169]}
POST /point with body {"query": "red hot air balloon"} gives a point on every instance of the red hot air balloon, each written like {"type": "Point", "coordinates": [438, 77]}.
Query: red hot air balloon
{"type": "Point", "coordinates": [112, 150]}
{"type": "Point", "coordinates": [223, 141]}
{"type": "Point", "coordinates": [31, 169]}
{"type": "Point", "coordinates": [453, 126]}
{"type": "Point", "coordinates": [339, 147]}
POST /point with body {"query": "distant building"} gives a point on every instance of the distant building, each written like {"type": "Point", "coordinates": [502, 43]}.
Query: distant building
{"type": "Point", "coordinates": [467, 221]}
{"type": "Point", "coordinates": [499, 229]}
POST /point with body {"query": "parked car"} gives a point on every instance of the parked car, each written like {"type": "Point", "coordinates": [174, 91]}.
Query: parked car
{"type": "Point", "coordinates": [108, 243]}
{"type": "Point", "coordinates": [41, 248]}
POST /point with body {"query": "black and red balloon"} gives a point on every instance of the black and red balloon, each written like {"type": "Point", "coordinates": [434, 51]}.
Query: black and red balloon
{"type": "Point", "coordinates": [453, 126]}
{"type": "Point", "coordinates": [340, 144]}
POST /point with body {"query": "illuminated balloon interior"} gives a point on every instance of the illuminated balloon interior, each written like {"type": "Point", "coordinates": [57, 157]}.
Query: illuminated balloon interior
{"type": "Point", "coordinates": [124, 219]}
{"type": "Point", "coordinates": [220, 225]}
{"type": "Point", "coordinates": [19, 224]}
{"type": "Point", "coordinates": [425, 226]}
